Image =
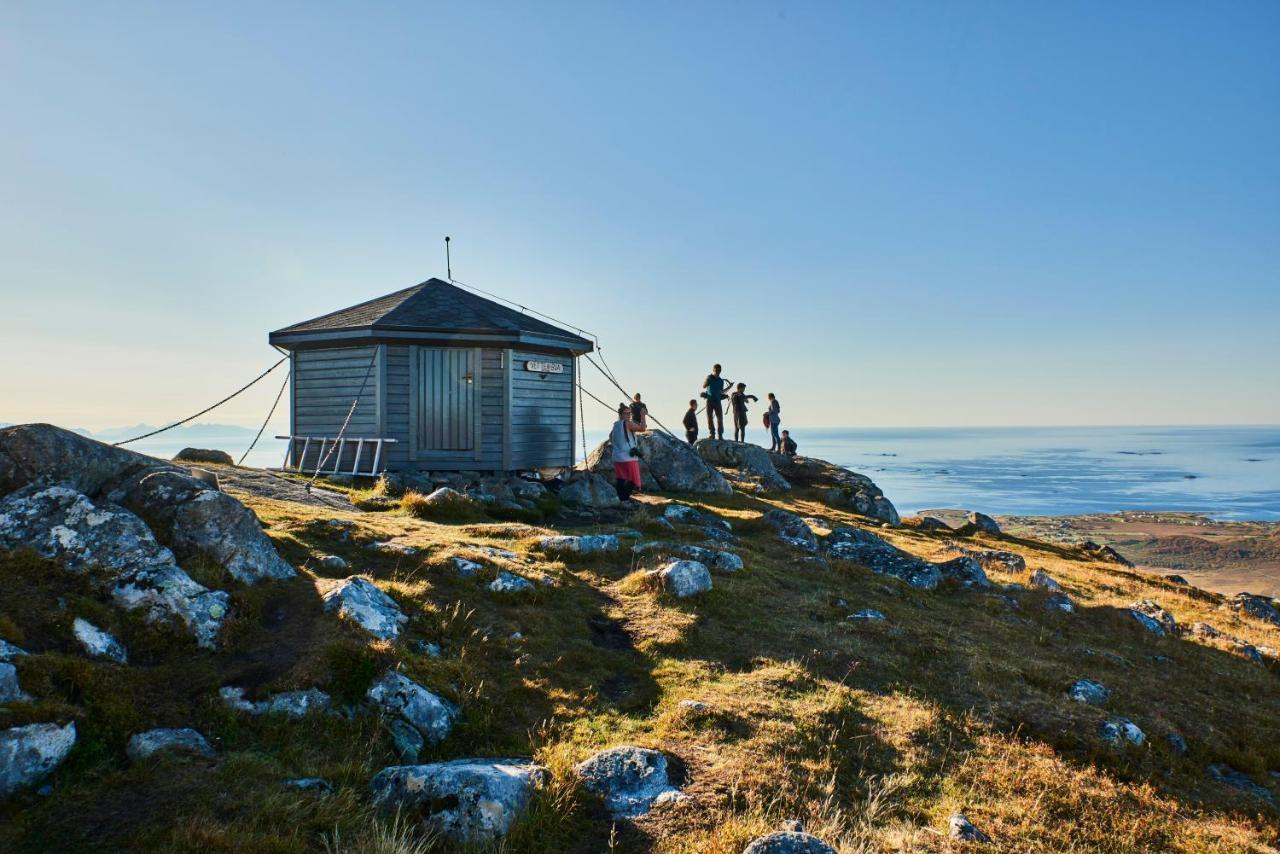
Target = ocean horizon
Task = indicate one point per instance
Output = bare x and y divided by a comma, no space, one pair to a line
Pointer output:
1225,472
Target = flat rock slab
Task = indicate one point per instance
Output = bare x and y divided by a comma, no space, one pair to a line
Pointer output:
29,753
468,801
264,484
629,779
293,704
583,545
715,559
185,740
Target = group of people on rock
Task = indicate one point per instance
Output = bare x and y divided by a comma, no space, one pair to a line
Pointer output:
633,418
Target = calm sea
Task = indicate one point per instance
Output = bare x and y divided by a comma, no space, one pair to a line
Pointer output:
1228,472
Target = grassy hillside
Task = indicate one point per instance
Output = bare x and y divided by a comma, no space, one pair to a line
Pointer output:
870,733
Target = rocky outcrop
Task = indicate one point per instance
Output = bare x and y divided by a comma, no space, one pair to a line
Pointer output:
29,753
61,524
1153,618
979,523
146,744
10,690
965,571
750,460
359,600
291,704
840,488
720,561
788,842
997,561
399,696
792,530
1258,607
590,490
98,643
683,578
629,779
203,455
666,464
467,801
879,556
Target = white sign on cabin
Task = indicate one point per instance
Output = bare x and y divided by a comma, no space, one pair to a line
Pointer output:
544,367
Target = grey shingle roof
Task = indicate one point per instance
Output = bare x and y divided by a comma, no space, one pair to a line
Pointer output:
433,306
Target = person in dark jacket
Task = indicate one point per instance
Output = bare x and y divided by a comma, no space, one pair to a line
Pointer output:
773,418
738,401
714,386
788,444
691,422
639,412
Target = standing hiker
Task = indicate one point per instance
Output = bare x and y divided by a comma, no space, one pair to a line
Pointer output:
772,419
714,385
691,422
639,412
626,457
738,402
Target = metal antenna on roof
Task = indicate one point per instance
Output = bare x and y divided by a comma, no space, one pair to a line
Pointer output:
448,263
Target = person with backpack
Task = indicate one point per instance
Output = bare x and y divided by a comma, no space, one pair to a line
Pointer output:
714,386
624,453
738,402
772,418
691,422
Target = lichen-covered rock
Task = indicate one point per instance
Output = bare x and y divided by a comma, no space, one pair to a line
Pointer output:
360,600
1119,731
629,779
185,740
792,530
839,486
10,690
715,559
29,753
509,582
292,704
684,578
203,455
959,827
665,464
46,455
1042,579
467,801
582,545
399,696
1089,692
63,525
880,556
752,460
590,490
200,522
998,561
966,571
98,643
1258,607
8,651
788,842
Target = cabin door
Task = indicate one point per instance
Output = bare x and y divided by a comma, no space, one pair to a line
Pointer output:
447,399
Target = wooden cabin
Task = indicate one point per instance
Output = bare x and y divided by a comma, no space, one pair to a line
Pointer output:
451,382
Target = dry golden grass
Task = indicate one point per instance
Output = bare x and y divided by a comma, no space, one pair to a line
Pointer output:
871,734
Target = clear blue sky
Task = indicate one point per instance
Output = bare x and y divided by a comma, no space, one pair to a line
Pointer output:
888,213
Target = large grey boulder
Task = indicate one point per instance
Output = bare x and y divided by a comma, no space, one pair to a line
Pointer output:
629,779
981,523
590,490
788,842
716,559
965,571
29,753
751,460
791,529
580,545
143,745
684,578
467,801
62,524
197,521
45,454
665,464
882,557
399,696
1153,618
98,643
359,600
10,690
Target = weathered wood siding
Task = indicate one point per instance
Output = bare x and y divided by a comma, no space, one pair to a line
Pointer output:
541,413
486,457
325,382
